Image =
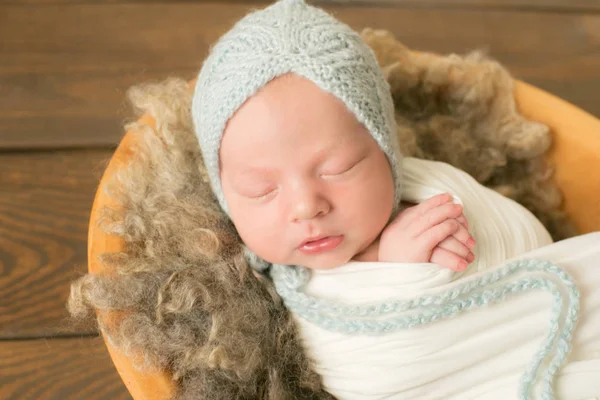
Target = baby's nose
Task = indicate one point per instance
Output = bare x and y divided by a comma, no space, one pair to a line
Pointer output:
309,205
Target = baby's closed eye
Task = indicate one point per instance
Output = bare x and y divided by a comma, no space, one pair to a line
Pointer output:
336,169
255,190
262,194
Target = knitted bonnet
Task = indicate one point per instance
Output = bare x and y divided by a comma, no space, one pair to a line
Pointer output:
291,36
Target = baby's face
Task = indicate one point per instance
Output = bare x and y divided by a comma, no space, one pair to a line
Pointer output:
304,181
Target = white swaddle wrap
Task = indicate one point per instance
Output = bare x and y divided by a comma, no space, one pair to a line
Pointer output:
480,353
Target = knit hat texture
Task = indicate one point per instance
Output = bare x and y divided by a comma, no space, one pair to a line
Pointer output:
291,36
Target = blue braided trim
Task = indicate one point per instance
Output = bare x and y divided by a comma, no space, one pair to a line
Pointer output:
354,320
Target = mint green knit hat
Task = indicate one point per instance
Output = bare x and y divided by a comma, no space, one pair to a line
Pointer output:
291,36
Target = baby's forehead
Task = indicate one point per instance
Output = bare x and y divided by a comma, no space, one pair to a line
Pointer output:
288,155
288,108
290,99
293,86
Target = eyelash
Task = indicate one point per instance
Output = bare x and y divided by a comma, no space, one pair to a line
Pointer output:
344,171
262,197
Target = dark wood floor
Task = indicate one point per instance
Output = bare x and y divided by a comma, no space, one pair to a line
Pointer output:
64,68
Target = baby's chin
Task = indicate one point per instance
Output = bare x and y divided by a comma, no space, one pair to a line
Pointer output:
320,262
324,261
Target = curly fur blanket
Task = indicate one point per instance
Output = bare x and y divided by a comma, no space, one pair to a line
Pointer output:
189,296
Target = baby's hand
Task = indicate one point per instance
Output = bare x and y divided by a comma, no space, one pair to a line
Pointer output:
433,231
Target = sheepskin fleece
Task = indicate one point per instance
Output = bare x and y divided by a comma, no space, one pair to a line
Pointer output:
190,304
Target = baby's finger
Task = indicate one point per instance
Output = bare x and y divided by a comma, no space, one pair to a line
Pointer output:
454,246
463,221
429,239
435,217
431,203
447,259
463,236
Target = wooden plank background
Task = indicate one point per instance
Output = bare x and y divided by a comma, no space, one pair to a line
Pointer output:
65,66
65,369
45,200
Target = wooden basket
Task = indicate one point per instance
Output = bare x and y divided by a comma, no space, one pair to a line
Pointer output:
575,153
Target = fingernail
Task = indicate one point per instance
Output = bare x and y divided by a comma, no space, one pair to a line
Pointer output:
471,243
470,257
462,265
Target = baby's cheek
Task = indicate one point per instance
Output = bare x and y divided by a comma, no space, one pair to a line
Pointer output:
264,236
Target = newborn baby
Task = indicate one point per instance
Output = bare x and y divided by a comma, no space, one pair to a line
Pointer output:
297,130
308,167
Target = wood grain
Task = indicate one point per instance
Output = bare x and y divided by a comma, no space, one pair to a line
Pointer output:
62,110
64,68
506,4
45,202
533,5
58,369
